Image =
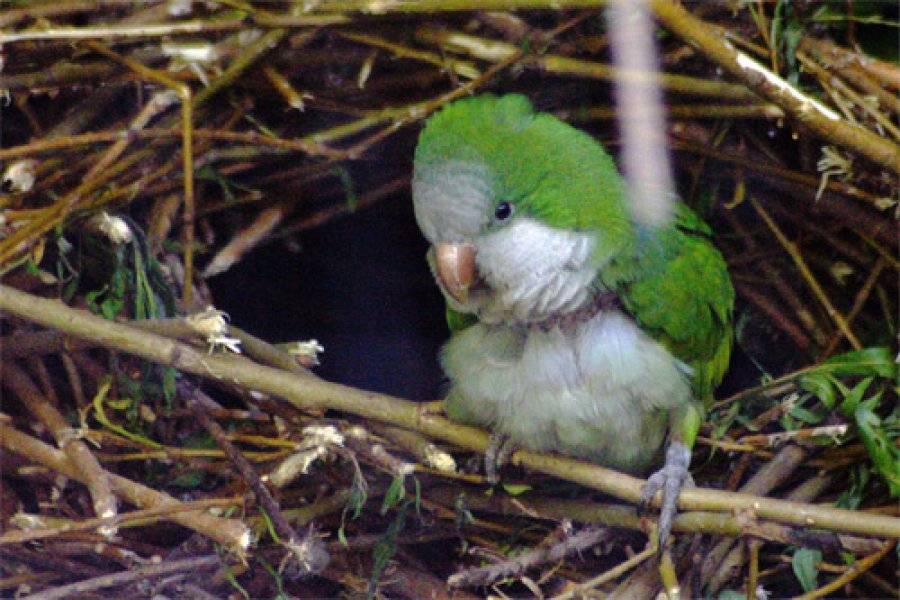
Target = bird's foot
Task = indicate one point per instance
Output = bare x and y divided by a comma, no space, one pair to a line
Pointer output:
499,449
670,479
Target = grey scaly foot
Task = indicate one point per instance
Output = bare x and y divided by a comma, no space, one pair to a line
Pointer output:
670,479
499,449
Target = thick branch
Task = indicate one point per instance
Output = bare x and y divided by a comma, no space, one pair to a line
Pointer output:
820,119
309,392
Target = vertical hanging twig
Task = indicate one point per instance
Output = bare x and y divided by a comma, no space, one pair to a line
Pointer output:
642,126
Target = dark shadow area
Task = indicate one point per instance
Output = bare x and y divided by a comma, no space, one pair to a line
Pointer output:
359,285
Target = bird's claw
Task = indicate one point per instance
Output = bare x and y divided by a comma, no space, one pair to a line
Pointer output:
499,449
673,476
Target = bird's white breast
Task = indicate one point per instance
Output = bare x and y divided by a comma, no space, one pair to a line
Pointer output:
530,272
598,390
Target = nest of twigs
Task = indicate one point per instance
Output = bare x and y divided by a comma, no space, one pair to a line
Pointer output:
147,147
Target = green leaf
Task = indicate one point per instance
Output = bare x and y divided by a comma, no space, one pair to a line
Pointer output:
820,385
270,526
31,268
110,308
806,567
91,299
884,454
878,361
69,291
384,550
189,480
170,380
395,494
787,422
516,489
852,496
731,595
232,579
806,415
346,180
418,496
853,397
723,423
826,15
355,503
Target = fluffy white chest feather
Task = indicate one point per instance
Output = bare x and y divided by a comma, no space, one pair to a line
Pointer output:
599,390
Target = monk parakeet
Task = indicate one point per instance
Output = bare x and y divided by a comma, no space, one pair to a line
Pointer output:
575,329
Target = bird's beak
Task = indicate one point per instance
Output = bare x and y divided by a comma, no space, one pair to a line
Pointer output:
456,268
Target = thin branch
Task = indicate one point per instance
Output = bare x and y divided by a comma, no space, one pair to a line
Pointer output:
496,50
74,590
90,471
808,277
136,516
516,566
855,570
228,532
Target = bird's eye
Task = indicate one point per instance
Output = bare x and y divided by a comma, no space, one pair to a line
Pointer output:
503,211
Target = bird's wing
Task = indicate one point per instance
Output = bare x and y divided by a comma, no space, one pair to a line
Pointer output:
684,298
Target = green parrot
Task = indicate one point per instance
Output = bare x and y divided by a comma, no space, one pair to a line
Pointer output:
575,329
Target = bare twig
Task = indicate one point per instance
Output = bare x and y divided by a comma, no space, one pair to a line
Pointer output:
202,563
515,567
231,533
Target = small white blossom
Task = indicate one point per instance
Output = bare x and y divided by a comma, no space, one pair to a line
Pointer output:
212,324
832,164
20,175
309,350
114,228
179,8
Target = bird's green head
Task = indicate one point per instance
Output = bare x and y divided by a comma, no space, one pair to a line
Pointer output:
515,192
489,153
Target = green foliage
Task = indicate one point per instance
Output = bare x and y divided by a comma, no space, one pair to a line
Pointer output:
350,196
359,493
865,12
876,31
128,275
805,563
862,403
386,548
226,185
852,496
279,580
464,516
109,300
786,32
396,492
232,579
270,526
189,480
101,402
